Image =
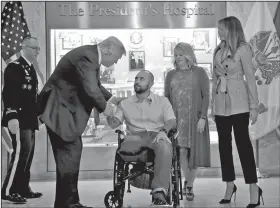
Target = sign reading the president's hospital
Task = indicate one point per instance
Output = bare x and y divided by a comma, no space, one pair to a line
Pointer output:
134,14
95,9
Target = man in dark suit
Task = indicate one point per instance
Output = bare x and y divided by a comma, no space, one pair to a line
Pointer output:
65,104
20,116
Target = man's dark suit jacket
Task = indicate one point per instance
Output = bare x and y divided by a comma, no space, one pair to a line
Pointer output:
68,97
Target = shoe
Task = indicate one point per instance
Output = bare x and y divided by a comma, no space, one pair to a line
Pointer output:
14,197
79,205
255,205
31,195
159,198
189,195
226,201
184,191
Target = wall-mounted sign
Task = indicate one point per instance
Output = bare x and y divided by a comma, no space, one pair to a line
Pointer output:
134,15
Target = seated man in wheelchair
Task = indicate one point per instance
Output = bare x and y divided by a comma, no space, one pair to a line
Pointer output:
148,118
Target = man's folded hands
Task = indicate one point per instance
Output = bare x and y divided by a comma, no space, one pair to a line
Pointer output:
161,136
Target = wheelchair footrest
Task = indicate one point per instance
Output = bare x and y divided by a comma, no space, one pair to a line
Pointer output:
166,205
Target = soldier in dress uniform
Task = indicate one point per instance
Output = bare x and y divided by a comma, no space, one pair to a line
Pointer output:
20,115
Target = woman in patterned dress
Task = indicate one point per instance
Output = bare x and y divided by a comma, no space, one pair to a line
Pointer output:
187,88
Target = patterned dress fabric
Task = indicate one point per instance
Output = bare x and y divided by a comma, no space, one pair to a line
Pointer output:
181,96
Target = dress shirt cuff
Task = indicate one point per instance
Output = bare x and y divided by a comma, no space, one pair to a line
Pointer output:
109,110
11,114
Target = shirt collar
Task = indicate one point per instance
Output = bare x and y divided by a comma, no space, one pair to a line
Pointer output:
99,55
149,98
26,60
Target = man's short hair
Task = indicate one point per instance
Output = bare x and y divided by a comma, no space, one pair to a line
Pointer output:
151,75
112,40
26,40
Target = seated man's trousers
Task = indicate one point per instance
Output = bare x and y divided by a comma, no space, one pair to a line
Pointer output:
163,156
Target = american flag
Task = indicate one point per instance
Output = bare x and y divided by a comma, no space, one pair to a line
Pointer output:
13,28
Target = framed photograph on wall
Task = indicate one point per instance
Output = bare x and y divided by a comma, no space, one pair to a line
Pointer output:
169,45
200,40
136,60
207,67
71,41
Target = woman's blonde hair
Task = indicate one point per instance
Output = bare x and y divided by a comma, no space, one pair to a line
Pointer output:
235,36
187,51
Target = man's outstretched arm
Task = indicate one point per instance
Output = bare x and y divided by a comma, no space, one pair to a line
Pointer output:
117,118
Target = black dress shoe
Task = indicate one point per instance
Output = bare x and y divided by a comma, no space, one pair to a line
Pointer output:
227,201
255,205
15,197
79,205
31,195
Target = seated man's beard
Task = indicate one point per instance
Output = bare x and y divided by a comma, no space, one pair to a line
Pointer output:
139,90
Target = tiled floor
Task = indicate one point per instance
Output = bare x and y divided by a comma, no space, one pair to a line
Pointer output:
208,191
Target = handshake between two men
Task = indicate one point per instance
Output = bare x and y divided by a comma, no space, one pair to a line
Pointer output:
111,103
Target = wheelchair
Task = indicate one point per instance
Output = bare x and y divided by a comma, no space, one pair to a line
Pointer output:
124,170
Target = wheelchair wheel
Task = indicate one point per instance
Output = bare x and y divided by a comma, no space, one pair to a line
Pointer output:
111,201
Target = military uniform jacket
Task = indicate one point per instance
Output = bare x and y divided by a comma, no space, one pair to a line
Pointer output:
20,94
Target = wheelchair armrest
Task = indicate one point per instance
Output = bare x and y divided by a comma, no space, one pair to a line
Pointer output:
120,134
